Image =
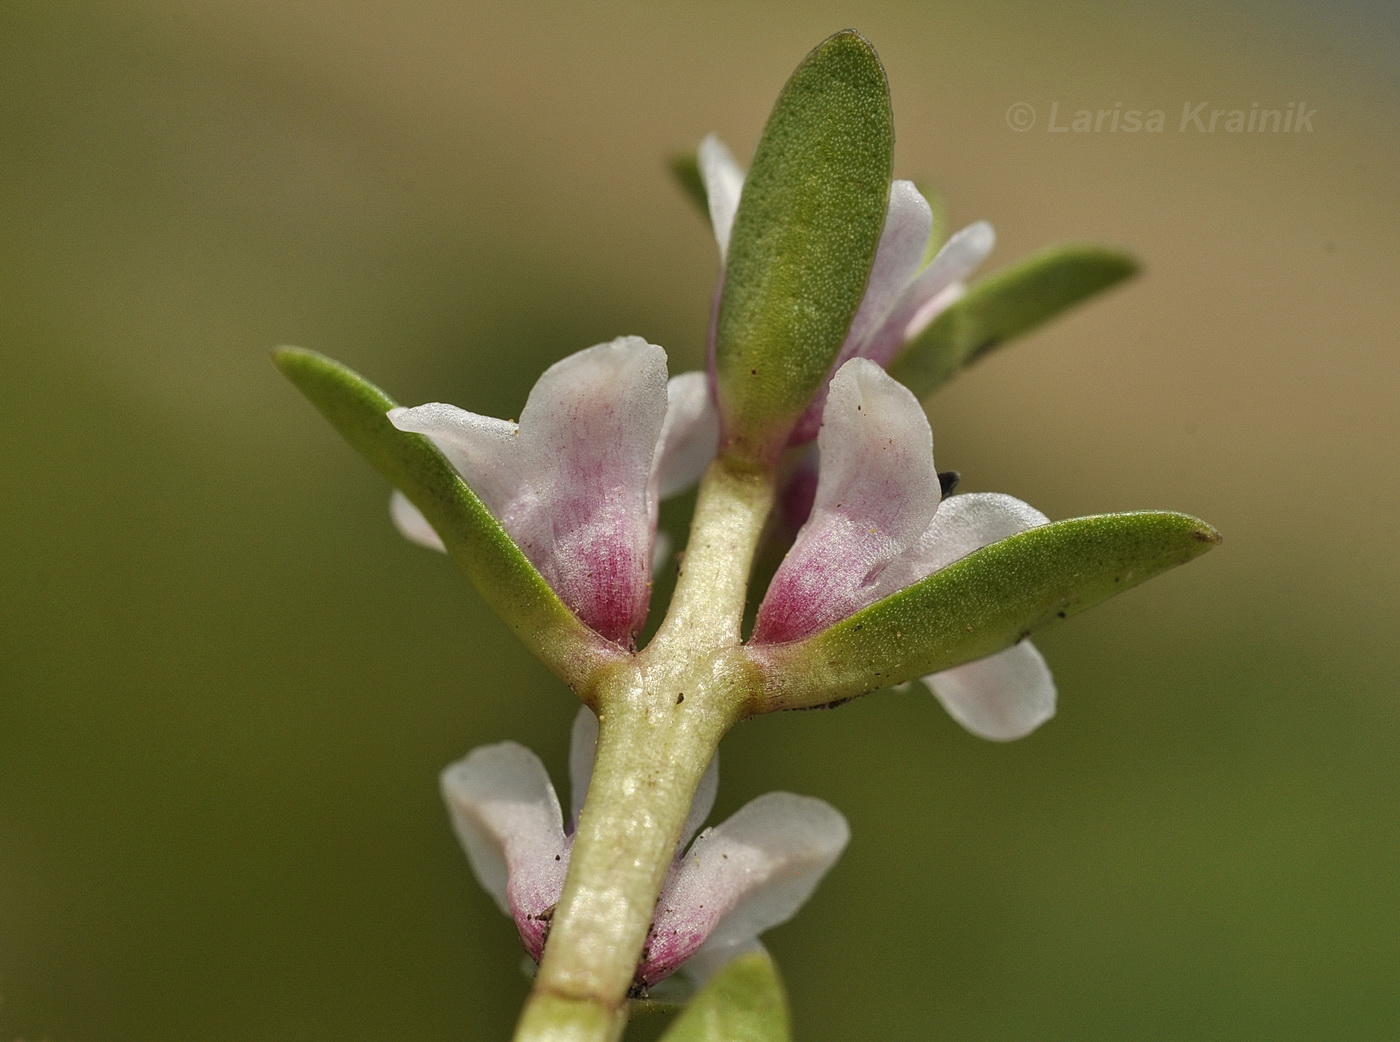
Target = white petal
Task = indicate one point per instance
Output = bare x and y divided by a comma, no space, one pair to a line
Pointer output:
749,874
930,290
588,434
932,308
877,491
689,434
507,816
961,525
785,844
724,181
572,484
483,449
908,224
411,523
1001,697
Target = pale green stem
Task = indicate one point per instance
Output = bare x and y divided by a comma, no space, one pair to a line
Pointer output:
661,717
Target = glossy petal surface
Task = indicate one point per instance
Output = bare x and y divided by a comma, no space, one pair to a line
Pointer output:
877,490
743,877
908,221
689,434
934,289
724,182
572,482
1001,697
736,880
507,816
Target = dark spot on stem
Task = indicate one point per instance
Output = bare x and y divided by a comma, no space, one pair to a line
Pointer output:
825,705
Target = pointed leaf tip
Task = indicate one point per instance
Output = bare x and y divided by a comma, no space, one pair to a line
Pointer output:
981,604
1006,304
803,242
744,1002
497,567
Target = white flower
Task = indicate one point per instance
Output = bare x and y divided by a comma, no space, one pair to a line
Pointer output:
602,438
735,881
878,524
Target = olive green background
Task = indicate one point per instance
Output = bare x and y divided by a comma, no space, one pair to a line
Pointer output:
229,685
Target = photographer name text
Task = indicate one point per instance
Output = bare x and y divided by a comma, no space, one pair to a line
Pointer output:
1196,117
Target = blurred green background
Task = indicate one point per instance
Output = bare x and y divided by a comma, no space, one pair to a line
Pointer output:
229,685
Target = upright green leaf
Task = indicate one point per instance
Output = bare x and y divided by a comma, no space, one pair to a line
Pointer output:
1004,305
980,604
804,239
743,1003
496,566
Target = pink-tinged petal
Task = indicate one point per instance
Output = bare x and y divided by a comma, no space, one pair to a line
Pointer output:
689,435
1001,697
932,290
724,182
572,483
411,523
506,814
908,223
588,434
582,745
749,874
877,491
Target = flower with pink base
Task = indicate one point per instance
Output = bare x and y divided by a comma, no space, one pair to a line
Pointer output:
576,483
879,523
736,880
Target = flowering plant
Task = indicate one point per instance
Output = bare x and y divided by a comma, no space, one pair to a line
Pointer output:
838,307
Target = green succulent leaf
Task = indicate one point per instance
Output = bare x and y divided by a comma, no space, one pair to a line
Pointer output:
475,539
1004,305
804,239
744,1002
979,605
685,168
